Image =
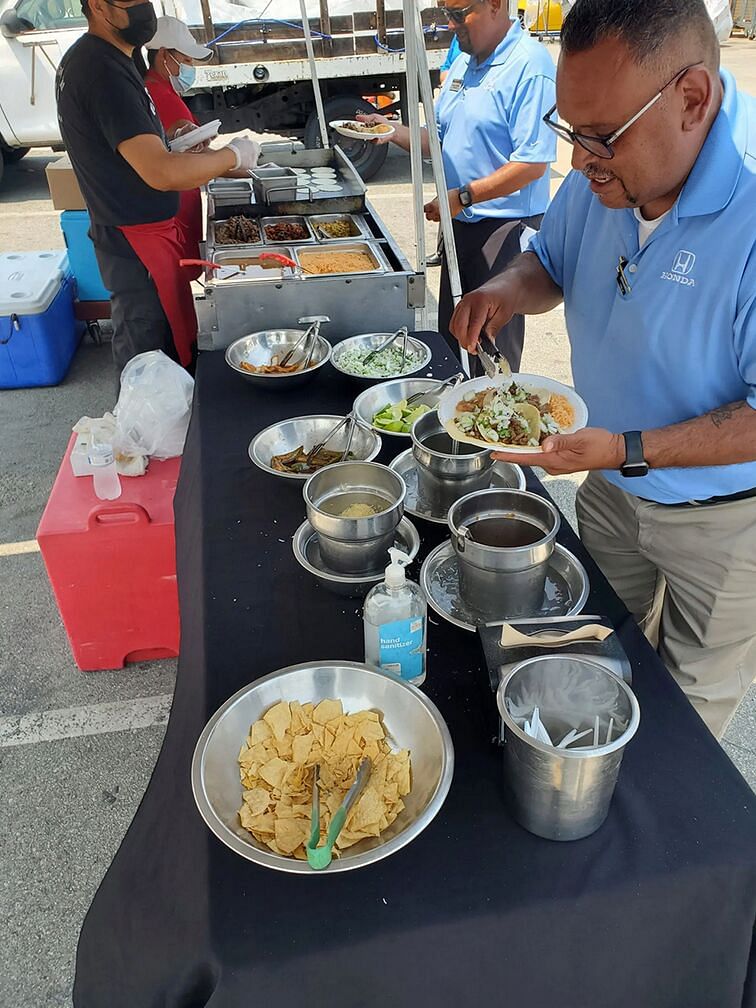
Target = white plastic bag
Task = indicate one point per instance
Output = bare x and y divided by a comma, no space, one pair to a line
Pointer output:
153,409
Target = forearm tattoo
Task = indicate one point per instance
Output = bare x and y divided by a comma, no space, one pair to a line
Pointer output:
723,414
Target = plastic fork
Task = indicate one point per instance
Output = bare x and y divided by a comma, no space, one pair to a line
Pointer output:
320,857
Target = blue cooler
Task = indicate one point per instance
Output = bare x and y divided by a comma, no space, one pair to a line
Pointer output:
81,256
38,332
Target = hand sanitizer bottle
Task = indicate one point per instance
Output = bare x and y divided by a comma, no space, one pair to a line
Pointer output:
395,618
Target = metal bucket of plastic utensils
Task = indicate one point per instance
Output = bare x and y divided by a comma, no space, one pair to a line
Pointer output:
564,793
350,544
503,540
443,473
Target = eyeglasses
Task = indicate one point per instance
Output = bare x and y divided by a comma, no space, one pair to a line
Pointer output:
603,146
458,15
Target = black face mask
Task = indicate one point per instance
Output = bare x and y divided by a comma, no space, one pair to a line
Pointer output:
142,23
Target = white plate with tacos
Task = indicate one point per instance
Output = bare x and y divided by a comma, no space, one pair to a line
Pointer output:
513,413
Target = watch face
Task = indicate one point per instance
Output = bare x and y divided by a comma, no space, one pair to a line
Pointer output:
465,198
634,469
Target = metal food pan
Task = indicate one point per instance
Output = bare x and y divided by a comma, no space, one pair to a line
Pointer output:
380,265
272,185
357,225
255,272
213,242
288,219
226,187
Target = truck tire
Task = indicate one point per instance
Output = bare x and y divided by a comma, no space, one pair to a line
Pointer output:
14,154
367,157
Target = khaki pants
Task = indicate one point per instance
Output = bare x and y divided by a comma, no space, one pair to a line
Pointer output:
691,571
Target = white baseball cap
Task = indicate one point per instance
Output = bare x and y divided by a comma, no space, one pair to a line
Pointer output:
173,34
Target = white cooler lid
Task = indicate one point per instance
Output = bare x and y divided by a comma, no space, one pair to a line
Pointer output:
30,280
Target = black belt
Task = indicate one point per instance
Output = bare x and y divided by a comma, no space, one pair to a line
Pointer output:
740,495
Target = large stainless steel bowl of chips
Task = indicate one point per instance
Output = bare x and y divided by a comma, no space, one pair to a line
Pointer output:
410,720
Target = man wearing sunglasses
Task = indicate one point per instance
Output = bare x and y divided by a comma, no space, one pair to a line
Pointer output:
651,244
496,149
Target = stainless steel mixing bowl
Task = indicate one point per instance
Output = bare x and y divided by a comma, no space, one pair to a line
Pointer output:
371,341
377,397
285,436
411,720
257,348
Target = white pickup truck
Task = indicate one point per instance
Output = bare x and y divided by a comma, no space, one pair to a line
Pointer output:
259,78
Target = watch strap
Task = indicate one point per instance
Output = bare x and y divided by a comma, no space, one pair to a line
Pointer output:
635,463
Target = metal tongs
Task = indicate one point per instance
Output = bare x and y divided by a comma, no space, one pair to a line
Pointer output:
320,857
313,323
436,389
493,361
404,333
316,449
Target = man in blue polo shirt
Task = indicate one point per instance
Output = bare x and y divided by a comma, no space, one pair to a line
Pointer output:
651,243
496,149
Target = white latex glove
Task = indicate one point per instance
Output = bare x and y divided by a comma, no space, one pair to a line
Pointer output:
188,127
247,152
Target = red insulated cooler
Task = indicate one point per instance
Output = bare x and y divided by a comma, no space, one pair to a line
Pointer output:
112,565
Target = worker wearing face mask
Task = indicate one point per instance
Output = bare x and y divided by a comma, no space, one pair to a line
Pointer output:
171,53
130,180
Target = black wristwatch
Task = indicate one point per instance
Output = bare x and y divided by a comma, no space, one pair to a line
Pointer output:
465,196
634,464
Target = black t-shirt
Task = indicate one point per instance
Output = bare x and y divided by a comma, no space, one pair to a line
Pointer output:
102,101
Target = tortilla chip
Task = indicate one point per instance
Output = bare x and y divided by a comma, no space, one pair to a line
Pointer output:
257,800
273,772
326,711
275,769
278,718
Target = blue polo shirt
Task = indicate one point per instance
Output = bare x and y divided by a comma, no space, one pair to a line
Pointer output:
683,341
490,113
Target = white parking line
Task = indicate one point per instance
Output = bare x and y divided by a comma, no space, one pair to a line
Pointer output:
73,722
16,548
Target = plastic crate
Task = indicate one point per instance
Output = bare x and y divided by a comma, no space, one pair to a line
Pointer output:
81,256
112,565
38,331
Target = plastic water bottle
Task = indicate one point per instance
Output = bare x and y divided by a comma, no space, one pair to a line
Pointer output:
395,619
107,485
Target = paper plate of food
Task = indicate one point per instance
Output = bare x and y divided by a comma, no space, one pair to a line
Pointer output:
361,131
513,413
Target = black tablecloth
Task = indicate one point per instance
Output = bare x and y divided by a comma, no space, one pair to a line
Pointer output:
655,910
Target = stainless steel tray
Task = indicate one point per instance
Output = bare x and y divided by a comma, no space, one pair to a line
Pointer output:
350,200
287,219
357,225
432,507
565,594
213,222
251,274
380,262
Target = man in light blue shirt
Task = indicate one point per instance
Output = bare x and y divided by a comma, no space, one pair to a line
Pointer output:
651,243
496,148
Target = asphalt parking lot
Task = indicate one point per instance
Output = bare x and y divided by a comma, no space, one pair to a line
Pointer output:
77,749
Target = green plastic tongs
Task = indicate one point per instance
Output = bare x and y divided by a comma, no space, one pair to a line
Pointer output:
320,857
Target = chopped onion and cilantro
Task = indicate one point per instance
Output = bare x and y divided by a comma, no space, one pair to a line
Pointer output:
508,416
